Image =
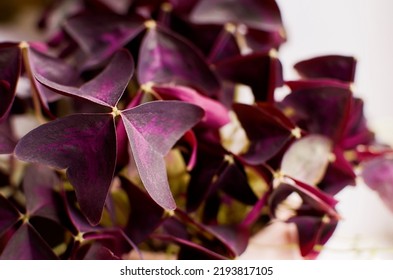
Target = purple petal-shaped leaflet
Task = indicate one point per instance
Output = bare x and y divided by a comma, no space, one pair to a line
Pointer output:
85,144
106,88
10,67
153,128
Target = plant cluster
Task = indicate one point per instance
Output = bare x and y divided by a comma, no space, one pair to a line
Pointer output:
159,131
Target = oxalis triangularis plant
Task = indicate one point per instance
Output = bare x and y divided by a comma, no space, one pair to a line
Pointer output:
148,140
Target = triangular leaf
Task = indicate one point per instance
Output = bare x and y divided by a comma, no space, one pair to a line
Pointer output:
153,128
104,89
85,144
9,215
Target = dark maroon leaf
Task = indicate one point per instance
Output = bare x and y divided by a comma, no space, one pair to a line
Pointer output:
378,175
99,41
216,115
54,70
7,141
225,46
39,185
10,67
264,15
166,58
9,215
84,144
261,71
27,244
235,237
267,134
193,250
98,252
329,66
139,227
320,110
312,231
153,128
106,88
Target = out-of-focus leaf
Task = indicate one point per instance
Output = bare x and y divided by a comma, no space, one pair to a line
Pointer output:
96,251
312,231
235,237
7,141
166,58
139,227
9,215
27,244
261,71
216,115
320,109
378,175
267,134
106,88
153,128
10,67
99,41
225,47
39,185
307,159
263,15
329,66
84,144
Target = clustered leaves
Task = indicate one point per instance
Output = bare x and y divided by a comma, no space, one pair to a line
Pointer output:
148,140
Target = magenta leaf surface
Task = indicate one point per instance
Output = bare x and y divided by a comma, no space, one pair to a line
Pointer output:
7,141
10,67
104,89
164,58
378,175
330,66
84,144
27,244
153,128
216,115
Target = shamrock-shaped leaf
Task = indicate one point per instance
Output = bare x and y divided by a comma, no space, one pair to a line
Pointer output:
10,67
9,215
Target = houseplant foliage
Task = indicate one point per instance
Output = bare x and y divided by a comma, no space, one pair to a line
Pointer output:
145,142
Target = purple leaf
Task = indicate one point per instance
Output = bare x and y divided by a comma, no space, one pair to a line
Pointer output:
106,88
312,231
52,69
235,237
153,128
99,41
9,215
268,135
261,71
224,47
27,244
138,227
264,15
330,66
10,67
378,175
39,185
84,144
7,141
191,250
216,115
166,58
320,109
98,252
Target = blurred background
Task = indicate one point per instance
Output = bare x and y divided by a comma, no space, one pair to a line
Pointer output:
360,28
